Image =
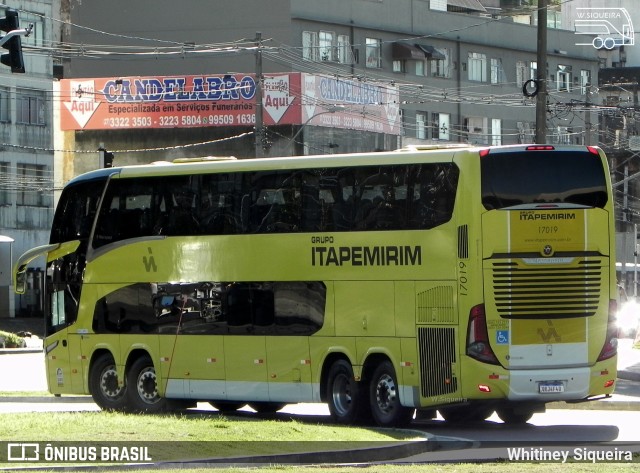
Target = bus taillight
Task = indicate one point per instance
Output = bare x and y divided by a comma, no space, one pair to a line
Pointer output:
478,337
540,148
593,150
610,348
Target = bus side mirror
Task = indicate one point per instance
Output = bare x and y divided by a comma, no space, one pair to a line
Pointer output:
20,283
20,268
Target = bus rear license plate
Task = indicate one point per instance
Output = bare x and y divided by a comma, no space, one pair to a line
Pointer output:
547,388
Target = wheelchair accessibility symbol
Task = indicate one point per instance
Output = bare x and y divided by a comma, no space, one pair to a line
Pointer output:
502,337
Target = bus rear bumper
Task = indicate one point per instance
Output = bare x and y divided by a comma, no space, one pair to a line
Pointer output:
568,384
549,385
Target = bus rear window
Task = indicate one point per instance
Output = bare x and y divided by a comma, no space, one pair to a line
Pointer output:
542,177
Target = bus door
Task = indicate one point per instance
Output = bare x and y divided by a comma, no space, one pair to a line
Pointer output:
299,309
65,264
63,342
194,345
249,310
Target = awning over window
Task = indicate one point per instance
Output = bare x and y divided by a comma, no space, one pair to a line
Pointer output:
431,52
473,5
406,51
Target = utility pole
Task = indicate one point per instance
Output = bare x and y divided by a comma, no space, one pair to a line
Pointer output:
541,75
259,129
587,114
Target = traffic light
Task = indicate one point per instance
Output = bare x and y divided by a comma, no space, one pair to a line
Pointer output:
105,159
13,58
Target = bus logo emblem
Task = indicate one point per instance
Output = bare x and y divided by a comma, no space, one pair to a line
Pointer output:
551,335
150,262
547,250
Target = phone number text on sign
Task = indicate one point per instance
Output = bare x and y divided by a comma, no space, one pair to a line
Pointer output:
179,120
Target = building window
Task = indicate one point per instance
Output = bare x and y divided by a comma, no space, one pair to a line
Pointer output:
30,109
325,44
374,53
496,131
5,116
421,125
585,81
310,45
440,126
477,67
399,65
521,72
440,67
526,132
419,68
34,185
344,49
533,70
497,71
563,78
5,182
37,33
561,135
476,127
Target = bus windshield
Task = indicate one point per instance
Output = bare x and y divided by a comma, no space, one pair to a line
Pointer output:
542,177
75,211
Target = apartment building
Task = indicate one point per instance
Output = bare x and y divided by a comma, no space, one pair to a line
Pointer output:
458,68
26,154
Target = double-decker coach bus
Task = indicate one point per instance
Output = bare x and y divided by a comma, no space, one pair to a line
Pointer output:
467,280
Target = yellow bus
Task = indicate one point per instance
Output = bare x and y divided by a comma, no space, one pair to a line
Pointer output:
464,280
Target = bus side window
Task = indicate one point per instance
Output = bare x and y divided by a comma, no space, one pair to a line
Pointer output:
344,205
182,217
248,305
311,214
434,196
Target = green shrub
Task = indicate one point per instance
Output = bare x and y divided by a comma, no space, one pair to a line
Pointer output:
11,340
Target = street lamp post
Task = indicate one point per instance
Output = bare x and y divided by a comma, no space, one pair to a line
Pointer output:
330,109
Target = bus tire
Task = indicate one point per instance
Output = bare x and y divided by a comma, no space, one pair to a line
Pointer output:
343,393
384,398
227,406
509,415
143,387
266,407
104,386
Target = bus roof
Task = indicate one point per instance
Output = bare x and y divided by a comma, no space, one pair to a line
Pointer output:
211,164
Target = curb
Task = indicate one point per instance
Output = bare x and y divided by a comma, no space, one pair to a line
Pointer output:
629,375
337,457
20,351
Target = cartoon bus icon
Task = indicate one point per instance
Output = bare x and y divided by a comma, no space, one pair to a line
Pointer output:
611,26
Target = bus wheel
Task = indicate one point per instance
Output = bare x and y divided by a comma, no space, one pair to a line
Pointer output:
227,406
143,387
384,398
343,393
266,407
103,384
465,414
509,415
